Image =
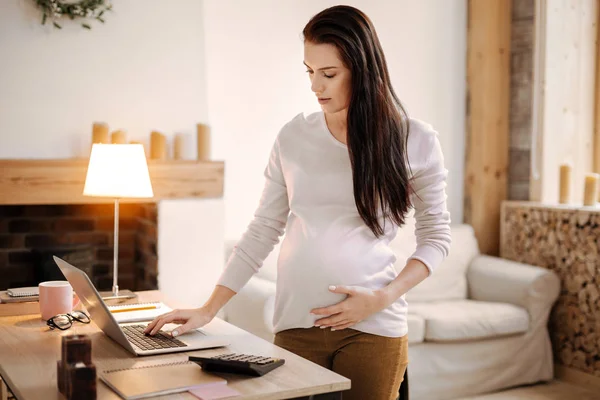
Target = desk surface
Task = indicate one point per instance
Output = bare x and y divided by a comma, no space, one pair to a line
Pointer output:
29,351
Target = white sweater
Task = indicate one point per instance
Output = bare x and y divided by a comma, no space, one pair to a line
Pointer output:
309,194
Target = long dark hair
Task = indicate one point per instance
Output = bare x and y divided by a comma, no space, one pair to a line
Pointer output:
377,123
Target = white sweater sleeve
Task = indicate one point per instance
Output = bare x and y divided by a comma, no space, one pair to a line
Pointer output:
264,230
432,228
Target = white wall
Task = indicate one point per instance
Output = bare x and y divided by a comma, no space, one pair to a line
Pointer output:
142,70
190,247
256,82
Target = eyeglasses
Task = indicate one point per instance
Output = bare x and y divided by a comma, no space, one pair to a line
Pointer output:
65,321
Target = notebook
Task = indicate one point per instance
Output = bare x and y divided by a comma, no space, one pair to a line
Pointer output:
7,298
24,292
135,312
158,379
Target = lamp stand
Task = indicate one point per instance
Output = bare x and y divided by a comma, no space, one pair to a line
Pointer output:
116,294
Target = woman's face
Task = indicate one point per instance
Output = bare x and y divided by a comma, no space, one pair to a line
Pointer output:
329,78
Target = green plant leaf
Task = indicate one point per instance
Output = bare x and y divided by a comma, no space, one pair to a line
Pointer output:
91,9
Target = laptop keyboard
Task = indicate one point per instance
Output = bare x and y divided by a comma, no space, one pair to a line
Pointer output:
135,334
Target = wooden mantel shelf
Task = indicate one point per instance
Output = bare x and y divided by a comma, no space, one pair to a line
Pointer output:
61,181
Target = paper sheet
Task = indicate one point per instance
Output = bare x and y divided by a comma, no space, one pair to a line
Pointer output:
214,392
138,315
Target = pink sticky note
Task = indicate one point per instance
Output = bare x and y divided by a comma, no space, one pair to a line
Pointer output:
214,391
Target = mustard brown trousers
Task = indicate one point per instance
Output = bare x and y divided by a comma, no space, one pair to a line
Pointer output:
374,364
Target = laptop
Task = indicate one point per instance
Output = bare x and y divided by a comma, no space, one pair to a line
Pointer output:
131,335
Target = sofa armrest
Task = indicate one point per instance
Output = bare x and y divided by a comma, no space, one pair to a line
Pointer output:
251,309
500,280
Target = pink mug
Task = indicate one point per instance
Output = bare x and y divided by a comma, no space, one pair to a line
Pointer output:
56,297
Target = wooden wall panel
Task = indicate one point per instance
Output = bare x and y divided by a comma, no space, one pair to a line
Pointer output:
62,181
596,161
567,109
488,82
521,98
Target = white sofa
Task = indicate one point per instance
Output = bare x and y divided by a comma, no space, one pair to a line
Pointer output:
478,324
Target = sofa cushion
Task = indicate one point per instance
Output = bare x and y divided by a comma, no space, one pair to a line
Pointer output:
469,319
449,280
416,328
248,308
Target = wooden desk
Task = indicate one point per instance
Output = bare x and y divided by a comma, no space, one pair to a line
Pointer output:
29,351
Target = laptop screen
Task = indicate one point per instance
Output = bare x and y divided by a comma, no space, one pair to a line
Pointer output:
92,301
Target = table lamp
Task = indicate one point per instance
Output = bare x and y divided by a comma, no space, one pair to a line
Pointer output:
118,171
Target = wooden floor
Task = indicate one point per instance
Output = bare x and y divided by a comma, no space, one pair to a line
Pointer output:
555,390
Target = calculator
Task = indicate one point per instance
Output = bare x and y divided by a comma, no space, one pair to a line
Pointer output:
233,363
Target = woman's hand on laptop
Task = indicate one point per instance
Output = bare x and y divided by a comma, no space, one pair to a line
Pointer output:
188,318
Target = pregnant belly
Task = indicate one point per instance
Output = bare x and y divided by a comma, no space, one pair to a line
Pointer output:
306,271
314,265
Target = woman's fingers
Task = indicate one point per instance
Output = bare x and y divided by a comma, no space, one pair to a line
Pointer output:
342,326
330,321
161,320
159,324
150,325
188,319
153,323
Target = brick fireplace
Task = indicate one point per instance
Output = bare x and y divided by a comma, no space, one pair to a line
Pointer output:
173,242
30,234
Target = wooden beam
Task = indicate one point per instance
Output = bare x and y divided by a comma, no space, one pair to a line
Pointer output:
537,120
488,113
596,160
62,181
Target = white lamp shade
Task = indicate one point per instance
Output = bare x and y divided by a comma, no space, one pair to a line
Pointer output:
118,171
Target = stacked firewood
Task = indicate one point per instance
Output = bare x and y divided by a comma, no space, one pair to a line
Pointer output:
567,241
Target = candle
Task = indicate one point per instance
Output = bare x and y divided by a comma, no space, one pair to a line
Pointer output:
118,137
203,135
565,184
158,146
178,146
100,133
590,195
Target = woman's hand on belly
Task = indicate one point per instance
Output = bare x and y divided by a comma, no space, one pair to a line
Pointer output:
360,303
